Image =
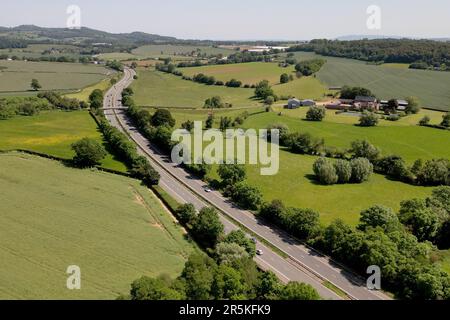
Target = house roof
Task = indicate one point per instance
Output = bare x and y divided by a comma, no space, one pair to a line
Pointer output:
365,99
293,100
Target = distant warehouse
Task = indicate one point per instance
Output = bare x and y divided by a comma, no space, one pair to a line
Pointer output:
296,103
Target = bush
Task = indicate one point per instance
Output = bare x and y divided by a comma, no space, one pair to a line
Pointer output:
186,213
343,170
304,143
368,119
394,167
434,173
315,113
88,153
162,117
143,170
233,83
325,172
263,90
207,228
362,169
446,120
424,121
364,149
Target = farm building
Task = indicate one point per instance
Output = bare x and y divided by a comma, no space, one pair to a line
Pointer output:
296,103
307,103
293,103
363,102
402,104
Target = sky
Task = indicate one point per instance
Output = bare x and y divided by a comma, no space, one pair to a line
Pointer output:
241,19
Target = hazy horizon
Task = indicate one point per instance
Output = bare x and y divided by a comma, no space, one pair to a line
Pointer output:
240,20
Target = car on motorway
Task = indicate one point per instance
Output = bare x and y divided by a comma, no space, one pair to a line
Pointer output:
208,190
259,252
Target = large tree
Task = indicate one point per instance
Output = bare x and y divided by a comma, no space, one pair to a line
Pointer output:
88,152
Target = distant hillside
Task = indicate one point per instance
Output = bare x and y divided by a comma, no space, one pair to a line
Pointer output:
33,34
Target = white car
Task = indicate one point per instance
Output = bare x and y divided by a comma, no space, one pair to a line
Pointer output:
208,190
259,252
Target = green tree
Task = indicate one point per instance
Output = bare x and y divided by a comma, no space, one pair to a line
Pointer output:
421,220
88,152
147,288
315,113
284,78
304,143
325,171
362,169
143,170
379,216
413,105
231,174
270,100
239,237
303,223
207,228
186,213
263,90
364,149
225,123
268,287
188,125
198,274
228,284
162,117
35,85
209,121
343,170
230,253
424,121
273,211
246,196
298,291
446,120
368,119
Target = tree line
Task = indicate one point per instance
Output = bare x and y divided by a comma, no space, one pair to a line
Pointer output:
422,54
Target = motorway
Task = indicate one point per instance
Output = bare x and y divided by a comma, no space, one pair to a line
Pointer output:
303,263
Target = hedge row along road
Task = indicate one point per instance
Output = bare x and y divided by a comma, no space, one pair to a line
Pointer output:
303,264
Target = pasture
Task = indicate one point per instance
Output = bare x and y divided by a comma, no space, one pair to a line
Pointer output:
52,132
386,81
53,217
409,141
15,76
249,73
160,89
43,50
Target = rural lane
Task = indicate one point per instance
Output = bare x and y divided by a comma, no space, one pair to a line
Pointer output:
303,263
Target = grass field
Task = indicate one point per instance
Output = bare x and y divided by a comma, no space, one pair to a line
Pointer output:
159,89
409,141
163,51
388,80
52,132
52,217
37,51
249,73
16,78
293,184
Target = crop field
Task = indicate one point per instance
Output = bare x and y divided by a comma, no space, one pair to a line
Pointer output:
43,50
52,217
173,50
249,73
15,76
164,51
159,89
52,132
387,81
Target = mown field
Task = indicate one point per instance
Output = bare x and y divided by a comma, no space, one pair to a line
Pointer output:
52,217
387,81
249,73
15,76
409,141
159,89
52,132
177,52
